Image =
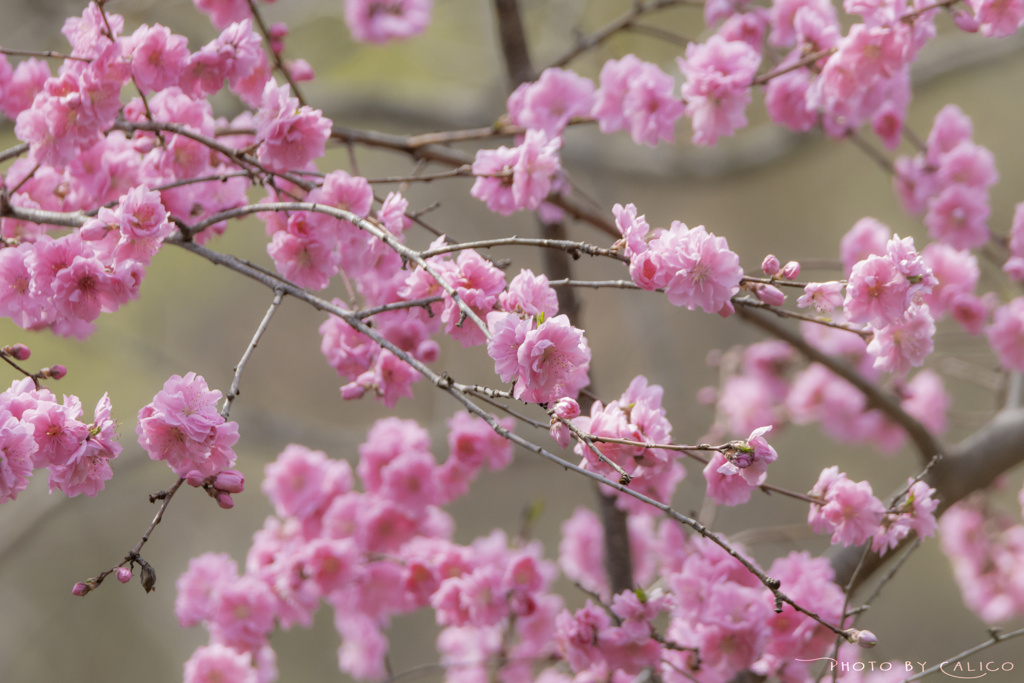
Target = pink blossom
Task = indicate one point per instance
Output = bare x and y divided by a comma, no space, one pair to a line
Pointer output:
85,470
581,551
968,164
529,295
378,21
786,100
291,136
219,664
970,311
695,267
1006,334
723,488
615,84
196,586
717,89
472,442
648,107
158,57
24,84
554,99
849,509
242,612
998,19
390,378
956,273
392,213
876,292
495,191
16,450
824,296
553,360
904,343
926,399
537,163
223,12
633,229
750,459
950,127
865,238
959,217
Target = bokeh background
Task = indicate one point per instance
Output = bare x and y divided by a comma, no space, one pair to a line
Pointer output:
765,190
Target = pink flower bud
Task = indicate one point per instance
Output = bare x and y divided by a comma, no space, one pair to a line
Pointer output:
278,30
300,70
791,270
965,21
770,265
561,434
57,371
225,500
124,575
194,478
567,408
230,481
866,639
771,295
80,589
18,351
352,390
428,351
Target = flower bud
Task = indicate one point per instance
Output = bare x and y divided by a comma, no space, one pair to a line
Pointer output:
124,575
80,589
866,639
965,21
194,478
561,434
300,70
791,270
771,295
224,500
278,30
55,372
567,408
770,265
352,390
230,481
18,351
428,351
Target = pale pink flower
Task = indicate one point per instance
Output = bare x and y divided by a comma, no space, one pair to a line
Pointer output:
224,12
554,99
959,217
950,127
581,551
750,459
378,21
24,84
615,83
649,109
956,273
219,664
785,99
554,359
291,136
536,164
867,237
632,227
926,399
495,191
824,296
242,612
998,19
904,343
723,488
849,510
696,267
16,450
529,295
197,584
876,292
158,57
1006,334
717,89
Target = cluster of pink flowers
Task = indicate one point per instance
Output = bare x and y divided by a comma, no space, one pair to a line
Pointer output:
637,415
379,21
541,352
986,549
721,619
37,431
518,178
950,180
693,266
290,136
914,512
372,555
183,428
848,510
637,96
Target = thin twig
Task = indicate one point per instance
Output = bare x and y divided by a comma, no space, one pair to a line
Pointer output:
995,639
47,54
234,391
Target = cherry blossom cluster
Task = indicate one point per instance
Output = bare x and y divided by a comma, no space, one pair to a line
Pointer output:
183,428
373,555
37,431
721,619
693,266
541,352
986,549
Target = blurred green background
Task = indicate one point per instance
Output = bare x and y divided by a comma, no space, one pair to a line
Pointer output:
765,190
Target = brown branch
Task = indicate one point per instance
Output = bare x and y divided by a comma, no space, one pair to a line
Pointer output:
513,42
15,151
806,61
625,21
48,54
234,390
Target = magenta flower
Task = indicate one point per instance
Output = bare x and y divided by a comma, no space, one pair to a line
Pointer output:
527,294
697,267
553,362
291,136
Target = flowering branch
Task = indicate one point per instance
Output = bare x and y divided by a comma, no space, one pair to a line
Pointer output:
47,54
278,63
